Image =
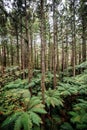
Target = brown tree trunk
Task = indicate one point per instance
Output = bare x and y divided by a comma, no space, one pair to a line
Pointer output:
17,46
67,55
28,46
3,58
83,39
58,64
49,52
73,38
22,57
62,40
12,55
42,52
54,43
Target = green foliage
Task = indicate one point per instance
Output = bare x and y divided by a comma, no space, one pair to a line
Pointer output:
73,85
66,89
83,65
79,114
35,105
16,102
52,98
82,78
11,74
23,122
27,115
35,118
14,99
36,81
11,119
66,126
20,120
16,84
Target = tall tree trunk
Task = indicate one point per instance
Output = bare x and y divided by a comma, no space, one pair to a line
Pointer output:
58,65
66,37
3,58
80,54
8,55
73,38
28,46
54,43
63,54
49,52
34,55
22,51
67,55
42,51
12,55
83,39
17,44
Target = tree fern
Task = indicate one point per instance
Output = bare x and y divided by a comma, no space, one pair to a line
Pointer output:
18,124
11,119
36,106
16,84
79,114
35,118
52,98
82,65
26,121
28,124
34,101
39,109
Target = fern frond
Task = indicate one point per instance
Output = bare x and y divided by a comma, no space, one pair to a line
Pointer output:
11,119
38,110
35,118
66,126
26,121
52,98
34,101
23,122
18,124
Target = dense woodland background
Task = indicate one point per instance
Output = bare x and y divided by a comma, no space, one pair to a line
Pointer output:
43,64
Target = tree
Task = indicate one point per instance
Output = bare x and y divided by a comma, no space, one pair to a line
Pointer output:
73,35
83,15
54,42
42,51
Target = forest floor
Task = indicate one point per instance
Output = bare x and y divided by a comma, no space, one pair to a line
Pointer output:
65,107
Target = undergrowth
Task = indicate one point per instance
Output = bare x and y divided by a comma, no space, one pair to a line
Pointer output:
65,107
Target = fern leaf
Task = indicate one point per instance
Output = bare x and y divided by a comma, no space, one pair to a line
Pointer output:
34,101
38,110
26,121
35,118
18,124
11,119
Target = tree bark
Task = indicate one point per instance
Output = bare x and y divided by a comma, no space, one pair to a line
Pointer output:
42,52
54,43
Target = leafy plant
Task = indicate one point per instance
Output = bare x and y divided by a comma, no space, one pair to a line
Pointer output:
66,126
79,114
16,84
20,120
14,99
27,116
52,98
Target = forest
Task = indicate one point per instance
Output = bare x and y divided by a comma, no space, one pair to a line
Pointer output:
43,64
